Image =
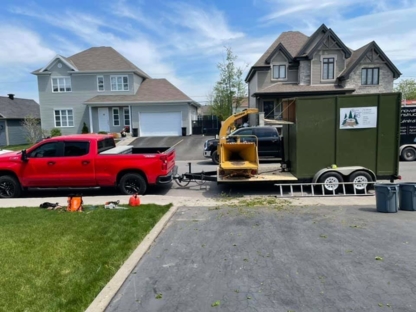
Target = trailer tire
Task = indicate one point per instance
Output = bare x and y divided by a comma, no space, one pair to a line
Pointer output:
361,178
215,157
9,187
408,154
132,183
331,182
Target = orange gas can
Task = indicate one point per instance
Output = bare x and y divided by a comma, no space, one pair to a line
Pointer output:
134,200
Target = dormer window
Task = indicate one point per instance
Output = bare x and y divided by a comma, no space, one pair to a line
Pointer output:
328,68
279,71
120,83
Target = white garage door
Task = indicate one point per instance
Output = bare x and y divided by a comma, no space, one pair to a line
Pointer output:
160,124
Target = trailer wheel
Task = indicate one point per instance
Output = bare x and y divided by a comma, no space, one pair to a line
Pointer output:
361,180
331,182
409,154
9,187
132,183
215,157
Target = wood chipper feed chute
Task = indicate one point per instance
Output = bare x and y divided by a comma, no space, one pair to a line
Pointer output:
241,155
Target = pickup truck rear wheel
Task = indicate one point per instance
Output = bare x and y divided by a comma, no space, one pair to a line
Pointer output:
132,183
9,187
215,157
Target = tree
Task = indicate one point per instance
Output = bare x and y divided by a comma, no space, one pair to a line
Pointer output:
84,128
230,90
33,129
408,89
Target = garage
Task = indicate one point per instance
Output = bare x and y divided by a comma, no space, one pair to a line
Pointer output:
160,124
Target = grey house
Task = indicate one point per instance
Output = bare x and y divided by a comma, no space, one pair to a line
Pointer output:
12,114
297,65
102,88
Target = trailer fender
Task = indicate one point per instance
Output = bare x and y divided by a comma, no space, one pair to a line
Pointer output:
402,147
345,171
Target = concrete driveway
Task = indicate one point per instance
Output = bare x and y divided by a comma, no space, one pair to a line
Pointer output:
277,259
187,147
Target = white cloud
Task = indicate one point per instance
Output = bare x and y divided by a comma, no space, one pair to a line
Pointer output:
22,46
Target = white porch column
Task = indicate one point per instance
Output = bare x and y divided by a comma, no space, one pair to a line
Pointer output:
90,114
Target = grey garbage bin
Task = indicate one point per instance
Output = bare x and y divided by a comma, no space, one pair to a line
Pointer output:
408,196
135,132
387,197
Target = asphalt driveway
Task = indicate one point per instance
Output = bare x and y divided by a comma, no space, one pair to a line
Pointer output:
277,259
187,147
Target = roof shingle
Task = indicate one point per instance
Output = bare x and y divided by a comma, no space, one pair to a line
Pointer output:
151,90
18,108
293,41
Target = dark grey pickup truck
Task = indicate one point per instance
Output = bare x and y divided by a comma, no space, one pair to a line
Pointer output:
268,142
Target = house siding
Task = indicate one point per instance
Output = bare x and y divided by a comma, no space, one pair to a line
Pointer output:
292,75
253,87
137,82
16,132
278,58
84,87
3,138
317,68
385,79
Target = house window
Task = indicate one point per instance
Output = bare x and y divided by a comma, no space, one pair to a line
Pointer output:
100,83
126,117
369,76
116,117
279,71
119,83
64,118
61,84
328,68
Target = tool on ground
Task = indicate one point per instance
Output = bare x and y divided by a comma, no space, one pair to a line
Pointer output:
75,203
134,200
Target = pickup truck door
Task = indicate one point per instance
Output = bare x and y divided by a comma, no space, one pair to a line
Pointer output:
77,166
268,141
40,168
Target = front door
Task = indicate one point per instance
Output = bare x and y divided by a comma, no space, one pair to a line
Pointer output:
268,108
103,119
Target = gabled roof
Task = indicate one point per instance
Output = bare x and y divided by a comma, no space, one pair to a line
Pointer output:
150,90
18,108
293,41
329,34
359,54
63,60
307,46
98,59
280,47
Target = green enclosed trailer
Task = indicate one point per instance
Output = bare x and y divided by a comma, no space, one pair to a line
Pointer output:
342,134
330,140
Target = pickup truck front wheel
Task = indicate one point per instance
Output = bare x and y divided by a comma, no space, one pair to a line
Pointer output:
132,183
9,187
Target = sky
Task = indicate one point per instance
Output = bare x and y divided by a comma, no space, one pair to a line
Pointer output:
183,41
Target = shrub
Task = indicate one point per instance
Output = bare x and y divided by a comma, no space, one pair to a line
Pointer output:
55,132
102,132
85,128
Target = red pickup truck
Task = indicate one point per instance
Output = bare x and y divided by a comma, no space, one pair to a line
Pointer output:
85,161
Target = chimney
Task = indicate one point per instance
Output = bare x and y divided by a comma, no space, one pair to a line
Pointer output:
11,96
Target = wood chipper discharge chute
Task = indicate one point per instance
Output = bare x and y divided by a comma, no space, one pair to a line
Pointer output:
238,154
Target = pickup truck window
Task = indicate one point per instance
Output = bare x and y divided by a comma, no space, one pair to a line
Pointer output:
76,148
105,144
244,132
266,133
47,150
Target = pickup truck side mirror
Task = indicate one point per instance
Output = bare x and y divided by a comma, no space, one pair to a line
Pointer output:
24,155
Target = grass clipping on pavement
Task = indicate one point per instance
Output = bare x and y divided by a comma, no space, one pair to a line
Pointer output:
60,261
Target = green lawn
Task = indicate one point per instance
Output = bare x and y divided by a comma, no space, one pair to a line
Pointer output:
60,261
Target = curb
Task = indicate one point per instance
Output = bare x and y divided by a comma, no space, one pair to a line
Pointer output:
105,296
